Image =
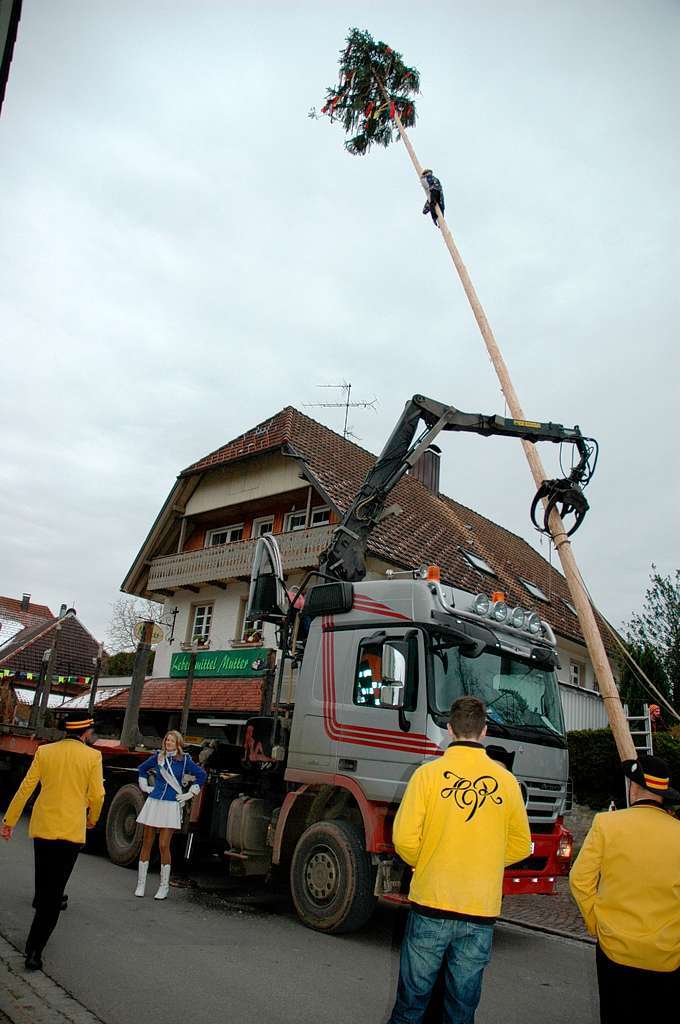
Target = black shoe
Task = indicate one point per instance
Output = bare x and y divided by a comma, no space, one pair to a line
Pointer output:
33,962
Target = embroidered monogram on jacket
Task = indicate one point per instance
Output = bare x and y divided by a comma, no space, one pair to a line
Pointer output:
470,795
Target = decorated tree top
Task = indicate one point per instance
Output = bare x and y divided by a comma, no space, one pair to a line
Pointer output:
374,85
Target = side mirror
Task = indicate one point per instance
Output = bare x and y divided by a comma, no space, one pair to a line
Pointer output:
393,664
392,696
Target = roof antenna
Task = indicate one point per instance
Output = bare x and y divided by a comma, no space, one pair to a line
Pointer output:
346,404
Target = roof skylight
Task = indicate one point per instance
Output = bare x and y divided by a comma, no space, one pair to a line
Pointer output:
570,606
477,562
534,590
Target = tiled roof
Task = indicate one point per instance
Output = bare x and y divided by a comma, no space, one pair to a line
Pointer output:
244,695
75,652
430,529
34,614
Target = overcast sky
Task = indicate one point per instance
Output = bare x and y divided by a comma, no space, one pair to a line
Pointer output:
184,252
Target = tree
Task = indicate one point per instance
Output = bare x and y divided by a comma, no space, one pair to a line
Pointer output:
634,691
657,629
126,613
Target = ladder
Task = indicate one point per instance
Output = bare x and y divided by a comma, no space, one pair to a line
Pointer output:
640,730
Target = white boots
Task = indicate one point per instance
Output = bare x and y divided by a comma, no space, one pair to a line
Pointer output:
164,887
141,877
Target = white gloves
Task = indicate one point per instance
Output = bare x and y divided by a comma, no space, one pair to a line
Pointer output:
192,792
144,784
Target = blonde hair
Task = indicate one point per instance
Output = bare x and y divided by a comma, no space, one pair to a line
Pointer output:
179,740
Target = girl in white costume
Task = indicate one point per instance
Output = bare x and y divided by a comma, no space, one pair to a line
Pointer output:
162,810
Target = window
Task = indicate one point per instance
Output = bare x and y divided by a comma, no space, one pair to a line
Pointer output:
202,621
368,676
262,526
225,535
534,590
295,521
569,605
477,562
241,619
320,516
577,674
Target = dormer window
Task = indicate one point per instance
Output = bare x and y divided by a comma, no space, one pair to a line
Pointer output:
477,562
224,535
534,590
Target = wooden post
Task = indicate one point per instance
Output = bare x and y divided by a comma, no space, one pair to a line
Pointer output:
129,735
184,721
95,680
591,634
47,682
37,696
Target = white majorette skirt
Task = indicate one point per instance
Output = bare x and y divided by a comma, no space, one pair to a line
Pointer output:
160,813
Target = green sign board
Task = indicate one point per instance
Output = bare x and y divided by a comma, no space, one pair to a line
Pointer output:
247,662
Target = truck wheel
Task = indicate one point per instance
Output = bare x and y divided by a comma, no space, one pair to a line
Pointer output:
331,878
123,834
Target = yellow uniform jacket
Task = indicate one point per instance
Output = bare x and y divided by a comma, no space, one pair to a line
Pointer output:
626,881
462,820
71,787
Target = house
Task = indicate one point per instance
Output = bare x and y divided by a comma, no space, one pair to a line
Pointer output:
24,655
294,477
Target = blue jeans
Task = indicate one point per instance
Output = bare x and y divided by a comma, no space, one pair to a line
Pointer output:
463,946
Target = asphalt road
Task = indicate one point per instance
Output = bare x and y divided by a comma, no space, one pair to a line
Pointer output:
210,957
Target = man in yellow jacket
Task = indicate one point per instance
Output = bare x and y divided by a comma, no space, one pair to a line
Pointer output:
461,822
71,798
626,881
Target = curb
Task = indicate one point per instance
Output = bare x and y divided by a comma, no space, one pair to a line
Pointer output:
518,923
31,997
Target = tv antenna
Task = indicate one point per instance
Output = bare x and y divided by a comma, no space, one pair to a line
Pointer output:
345,404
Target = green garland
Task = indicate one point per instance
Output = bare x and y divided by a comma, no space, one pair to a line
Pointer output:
359,103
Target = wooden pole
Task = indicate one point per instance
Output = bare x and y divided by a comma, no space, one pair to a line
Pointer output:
586,616
95,680
129,736
47,682
187,693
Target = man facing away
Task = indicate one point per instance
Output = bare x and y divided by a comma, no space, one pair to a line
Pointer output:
626,881
461,822
71,799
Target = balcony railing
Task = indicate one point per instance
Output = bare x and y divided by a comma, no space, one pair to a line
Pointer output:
299,550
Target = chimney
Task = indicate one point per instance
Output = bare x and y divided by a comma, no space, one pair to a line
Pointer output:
25,601
426,469
62,611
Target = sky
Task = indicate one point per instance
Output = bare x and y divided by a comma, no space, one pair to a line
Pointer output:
184,252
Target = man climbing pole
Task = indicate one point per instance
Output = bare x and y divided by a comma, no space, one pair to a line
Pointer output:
435,194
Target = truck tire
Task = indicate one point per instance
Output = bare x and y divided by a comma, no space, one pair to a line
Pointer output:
332,879
123,834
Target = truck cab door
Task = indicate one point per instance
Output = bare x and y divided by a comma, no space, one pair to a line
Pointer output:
381,746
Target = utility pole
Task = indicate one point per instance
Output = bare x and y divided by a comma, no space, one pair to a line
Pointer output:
129,735
373,95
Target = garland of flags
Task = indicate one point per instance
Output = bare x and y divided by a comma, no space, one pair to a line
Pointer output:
20,676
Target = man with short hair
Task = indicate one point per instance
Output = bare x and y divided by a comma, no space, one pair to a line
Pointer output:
626,882
70,800
461,822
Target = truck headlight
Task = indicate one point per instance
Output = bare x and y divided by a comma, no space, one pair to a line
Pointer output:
481,605
517,618
499,611
533,623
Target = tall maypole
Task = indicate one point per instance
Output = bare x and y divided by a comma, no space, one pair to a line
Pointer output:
374,102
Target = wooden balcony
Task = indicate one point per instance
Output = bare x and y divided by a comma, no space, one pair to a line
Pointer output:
299,550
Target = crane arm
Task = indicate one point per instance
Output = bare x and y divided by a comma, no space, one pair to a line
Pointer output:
345,556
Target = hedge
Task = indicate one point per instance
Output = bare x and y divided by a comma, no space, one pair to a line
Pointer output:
595,767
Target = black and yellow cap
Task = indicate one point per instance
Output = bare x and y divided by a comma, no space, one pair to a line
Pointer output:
78,722
651,773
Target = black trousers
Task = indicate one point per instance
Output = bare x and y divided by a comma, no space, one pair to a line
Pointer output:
629,995
54,862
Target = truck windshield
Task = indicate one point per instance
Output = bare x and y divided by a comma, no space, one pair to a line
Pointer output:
518,694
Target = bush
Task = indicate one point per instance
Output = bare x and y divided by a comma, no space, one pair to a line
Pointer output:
595,767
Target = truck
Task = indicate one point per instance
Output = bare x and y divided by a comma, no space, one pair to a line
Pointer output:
367,671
